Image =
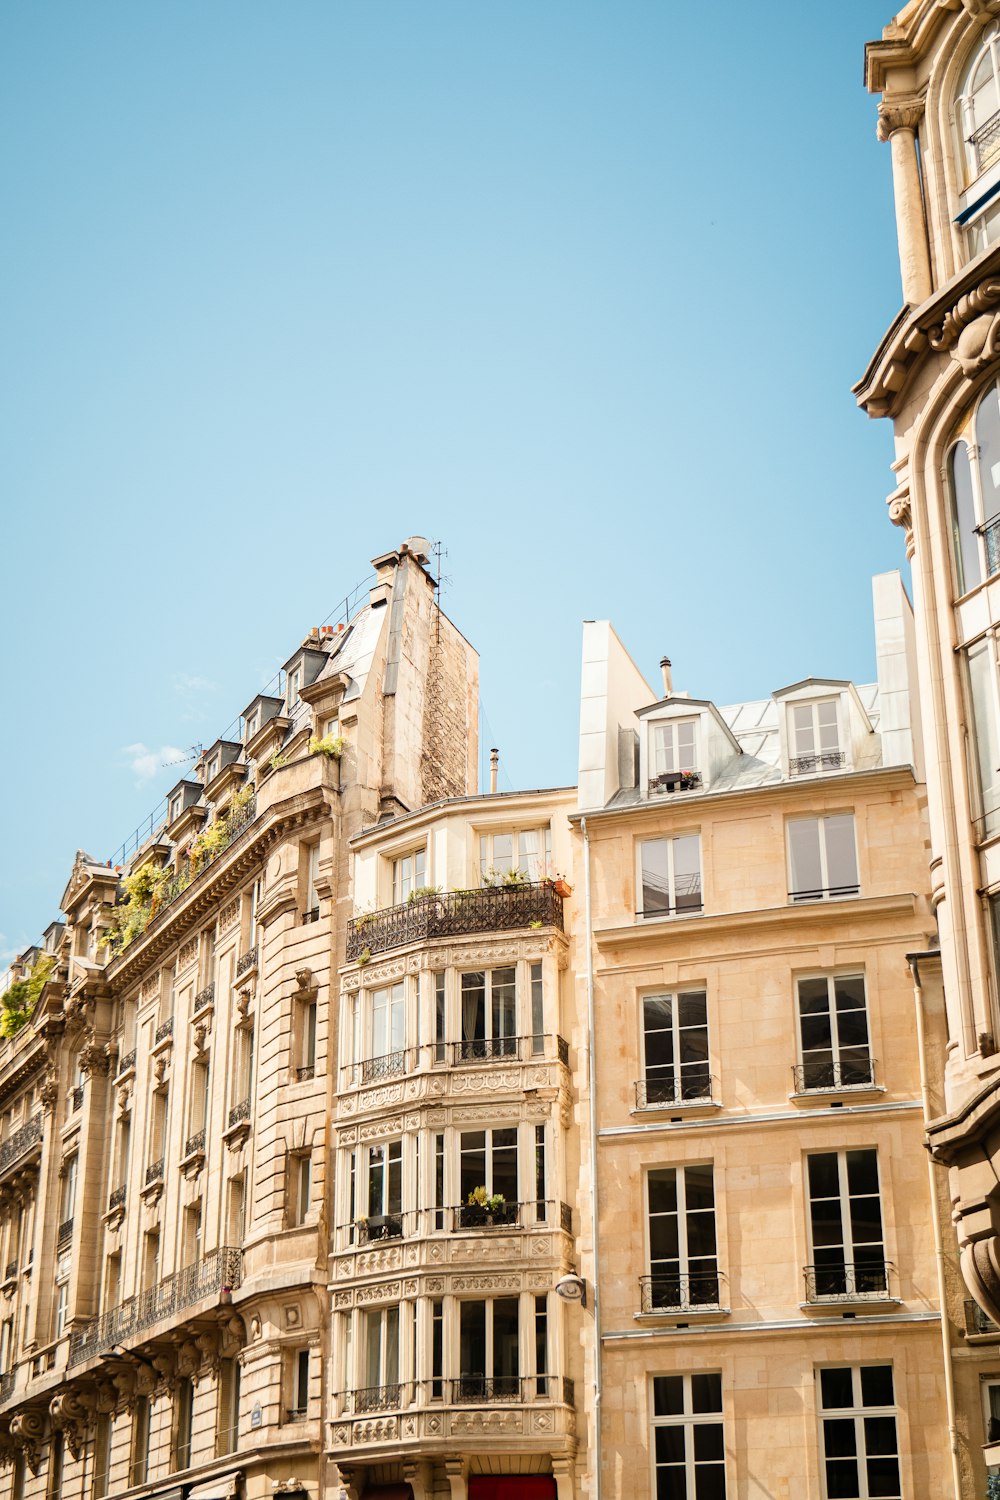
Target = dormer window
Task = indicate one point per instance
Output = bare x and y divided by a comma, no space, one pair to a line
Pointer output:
673,756
175,808
292,686
815,738
251,726
212,769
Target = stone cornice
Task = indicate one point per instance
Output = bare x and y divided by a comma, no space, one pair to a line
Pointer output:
910,37
951,1135
957,321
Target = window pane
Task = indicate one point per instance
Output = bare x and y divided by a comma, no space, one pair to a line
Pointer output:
840,1436
883,1479
987,733
670,1444
710,1481
836,1388
706,1393
964,520
841,856
668,1395
876,1385
655,876
803,850
802,723
988,438
687,873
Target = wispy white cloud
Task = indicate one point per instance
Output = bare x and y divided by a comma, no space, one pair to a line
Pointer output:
188,682
9,950
146,763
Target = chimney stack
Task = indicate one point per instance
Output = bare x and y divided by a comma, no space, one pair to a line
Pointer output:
494,767
668,677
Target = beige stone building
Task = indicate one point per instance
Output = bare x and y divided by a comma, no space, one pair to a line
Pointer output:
769,1298
935,375
166,1194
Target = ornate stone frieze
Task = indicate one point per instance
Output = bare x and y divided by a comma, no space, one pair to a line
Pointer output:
495,1282
377,1430
228,915
385,1291
485,1423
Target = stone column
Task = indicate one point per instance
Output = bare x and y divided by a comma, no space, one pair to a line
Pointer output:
454,1468
897,124
562,1471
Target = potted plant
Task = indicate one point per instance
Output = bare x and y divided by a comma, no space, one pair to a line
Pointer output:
330,745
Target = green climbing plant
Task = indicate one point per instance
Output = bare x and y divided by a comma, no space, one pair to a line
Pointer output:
19,1001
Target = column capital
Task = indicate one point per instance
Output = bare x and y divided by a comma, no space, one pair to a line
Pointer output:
899,114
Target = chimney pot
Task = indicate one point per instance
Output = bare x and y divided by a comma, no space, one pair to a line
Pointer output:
668,676
494,767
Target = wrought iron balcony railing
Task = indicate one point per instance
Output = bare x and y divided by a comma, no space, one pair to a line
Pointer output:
985,142
194,1143
239,1113
378,1398
686,904
217,1273
675,781
65,1233
501,908
7,1382
76,1098
848,1281
679,1292
154,1172
379,1227
830,1075
204,997
126,1062
487,1389
473,1051
819,760
11,1270
21,1141
481,1216
689,1083
389,1065
164,1030
977,1322
247,962
117,1198
466,1390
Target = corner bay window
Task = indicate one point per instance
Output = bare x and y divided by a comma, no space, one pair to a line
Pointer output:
381,1377
688,1443
822,857
488,1014
488,1160
385,1055
670,876
488,1350
858,1425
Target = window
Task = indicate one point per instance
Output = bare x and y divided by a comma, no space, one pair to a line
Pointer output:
488,1160
299,1188
528,850
688,1446
250,728
192,1234
488,1350
386,1033
175,808
67,1204
307,1040
212,769
298,1406
140,1441
858,1423
974,484
541,1345
408,875
151,1258
293,683
670,876
845,1213
183,1411
537,1011
237,1211
489,1015
440,1018
683,1258
385,1192
822,857
675,1049
311,909
815,737
381,1360
673,747
983,692
437,1349
833,1030
102,1455
228,1414
978,102
53,1483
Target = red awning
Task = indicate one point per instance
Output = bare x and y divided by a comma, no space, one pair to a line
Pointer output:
388,1492
512,1487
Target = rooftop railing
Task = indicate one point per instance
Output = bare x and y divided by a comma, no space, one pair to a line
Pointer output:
219,1271
500,908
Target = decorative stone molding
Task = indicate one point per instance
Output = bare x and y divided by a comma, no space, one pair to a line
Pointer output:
71,1413
968,325
27,1430
94,1057
900,114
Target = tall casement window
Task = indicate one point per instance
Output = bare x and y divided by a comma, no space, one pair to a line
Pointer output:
673,747
488,1178
688,1443
488,1015
139,1461
845,1215
409,874
488,1350
183,1412
54,1479
386,1053
381,1360
299,1187
385,1192
858,1430
670,876
983,688
527,850
833,1030
102,1456
228,1412
298,1385
822,858
815,737
977,105
683,1256
675,1049
974,486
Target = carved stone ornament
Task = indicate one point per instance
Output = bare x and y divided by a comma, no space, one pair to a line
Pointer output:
968,310
70,1414
899,508
49,1091
981,1269
94,1056
27,1430
289,1486
980,10
898,114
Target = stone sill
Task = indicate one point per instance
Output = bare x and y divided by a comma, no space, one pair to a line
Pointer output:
817,1096
669,1317
693,1107
852,1305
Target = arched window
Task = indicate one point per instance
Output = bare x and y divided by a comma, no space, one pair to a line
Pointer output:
974,486
978,106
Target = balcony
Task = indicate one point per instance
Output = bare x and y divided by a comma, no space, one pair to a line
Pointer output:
76,1098
690,1083
502,908
154,1172
675,1292
985,143
472,1052
820,760
217,1273
247,963
674,781
21,1142
978,1324
379,1227
849,1281
127,1063
833,1077
117,1198
64,1235
468,1390
195,1144
204,997
239,1113
163,1031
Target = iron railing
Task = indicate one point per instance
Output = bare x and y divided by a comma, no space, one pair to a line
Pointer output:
11,1270
565,1218
687,903
990,533
204,997
985,142
76,1098
390,1065
675,781
824,894
562,1049
481,1216
977,1321
247,962
487,1388
117,1198
379,1227
377,1398
164,1030
499,908
218,1272
7,1382
128,1061
824,1077
850,1281
312,915
154,1172
679,1292
194,1143
65,1233
239,1113
27,1135
467,1389
687,1084
819,760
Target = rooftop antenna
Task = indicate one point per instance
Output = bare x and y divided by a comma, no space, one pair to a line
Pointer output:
439,583
193,752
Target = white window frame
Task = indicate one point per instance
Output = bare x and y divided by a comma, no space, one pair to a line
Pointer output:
837,1048
293,686
672,892
683,1275
964,117
681,760
810,748
535,865
688,1420
857,1284
382,1319
826,891
857,1413
678,1034
250,727
395,1012
408,873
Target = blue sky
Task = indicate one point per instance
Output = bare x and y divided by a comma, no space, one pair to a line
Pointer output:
579,289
